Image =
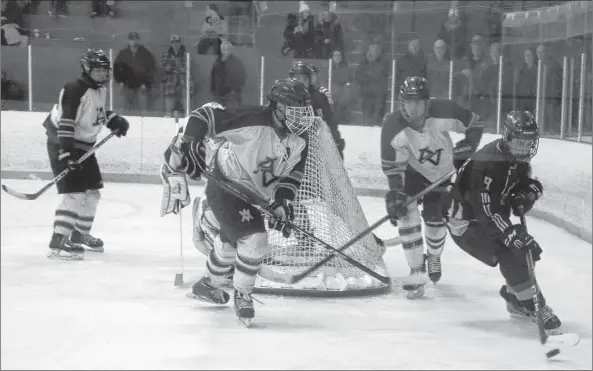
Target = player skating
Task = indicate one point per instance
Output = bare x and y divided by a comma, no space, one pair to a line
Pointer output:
416,150
260,151
495,182
72,128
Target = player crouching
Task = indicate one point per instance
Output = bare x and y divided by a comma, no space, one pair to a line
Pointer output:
496,181
260,152
72,128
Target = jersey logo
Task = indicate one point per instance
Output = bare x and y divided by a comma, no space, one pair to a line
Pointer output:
265,167
245,215
434,157
100,117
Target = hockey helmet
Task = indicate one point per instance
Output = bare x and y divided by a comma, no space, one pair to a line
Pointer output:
96,65
314,75
520,135
292,105
301,71
413,96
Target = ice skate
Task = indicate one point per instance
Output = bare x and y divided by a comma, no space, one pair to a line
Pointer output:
521,309
62,248
414,283
205,290
434,267
244,307
88,241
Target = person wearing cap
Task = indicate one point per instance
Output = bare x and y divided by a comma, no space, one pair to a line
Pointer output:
174,63
227,77
454,33
214,30
133,70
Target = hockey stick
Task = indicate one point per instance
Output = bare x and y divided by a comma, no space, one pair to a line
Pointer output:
179,276
553,341
298,277
60,176
265,211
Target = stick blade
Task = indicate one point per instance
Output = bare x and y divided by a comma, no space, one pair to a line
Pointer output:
22,196
565,340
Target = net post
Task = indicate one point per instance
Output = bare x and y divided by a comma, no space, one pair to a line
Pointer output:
30,75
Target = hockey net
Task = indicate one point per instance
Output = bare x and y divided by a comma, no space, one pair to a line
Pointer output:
326,206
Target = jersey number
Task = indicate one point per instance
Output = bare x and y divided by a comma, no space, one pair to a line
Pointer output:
487,182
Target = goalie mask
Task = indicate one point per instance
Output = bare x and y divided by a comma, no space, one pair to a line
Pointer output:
291,103
413,98
520,135
96,66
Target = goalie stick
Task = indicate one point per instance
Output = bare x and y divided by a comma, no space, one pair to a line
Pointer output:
60,176
264,210
555,342
298,277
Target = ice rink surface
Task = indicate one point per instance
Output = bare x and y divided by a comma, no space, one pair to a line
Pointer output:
119,310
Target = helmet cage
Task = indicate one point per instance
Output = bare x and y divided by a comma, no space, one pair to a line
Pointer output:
521,144
299,119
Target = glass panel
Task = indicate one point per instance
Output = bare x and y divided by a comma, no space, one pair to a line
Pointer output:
15,89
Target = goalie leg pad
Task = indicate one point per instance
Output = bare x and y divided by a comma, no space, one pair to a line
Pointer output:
206,227
250,251
67,213
410,231
220,261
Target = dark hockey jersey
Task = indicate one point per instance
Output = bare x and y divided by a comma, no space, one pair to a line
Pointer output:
322,106
245,146
413,159
76,120
482,187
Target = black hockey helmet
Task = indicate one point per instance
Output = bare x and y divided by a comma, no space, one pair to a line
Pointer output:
520,135
96,65
292,105
301,71
414,89
314,75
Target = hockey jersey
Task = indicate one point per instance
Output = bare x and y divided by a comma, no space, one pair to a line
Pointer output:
481,189
413,159
76,120
246,147
321,103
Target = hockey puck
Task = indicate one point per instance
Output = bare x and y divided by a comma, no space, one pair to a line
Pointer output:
553,353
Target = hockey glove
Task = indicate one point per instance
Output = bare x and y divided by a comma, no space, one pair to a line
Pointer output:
69,157
117,124
516,236
462,151
395,204
176,191
284,213
524,197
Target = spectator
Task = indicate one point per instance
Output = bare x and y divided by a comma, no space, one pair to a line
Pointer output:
373,76
329,35
134,69
454,33
478,85
58,8
102,8
11,90
438,70
288,47
175,87
526,87
552,95
227,78
492,75
304,33
14,27
341,89
413,63
214,30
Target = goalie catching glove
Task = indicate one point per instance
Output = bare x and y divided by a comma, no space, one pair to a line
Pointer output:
176,191
283,214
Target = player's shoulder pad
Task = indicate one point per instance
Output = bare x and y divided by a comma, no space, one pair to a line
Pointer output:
394,123
75,89
448,109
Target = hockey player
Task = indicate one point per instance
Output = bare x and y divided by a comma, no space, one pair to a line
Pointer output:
496,181
72,128
262,153
320,101
416,150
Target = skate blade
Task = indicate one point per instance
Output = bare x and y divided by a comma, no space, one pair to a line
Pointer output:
246,321
416,293
204,299
94,249
564,340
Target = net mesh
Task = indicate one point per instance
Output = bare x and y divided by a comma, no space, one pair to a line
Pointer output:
326,206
